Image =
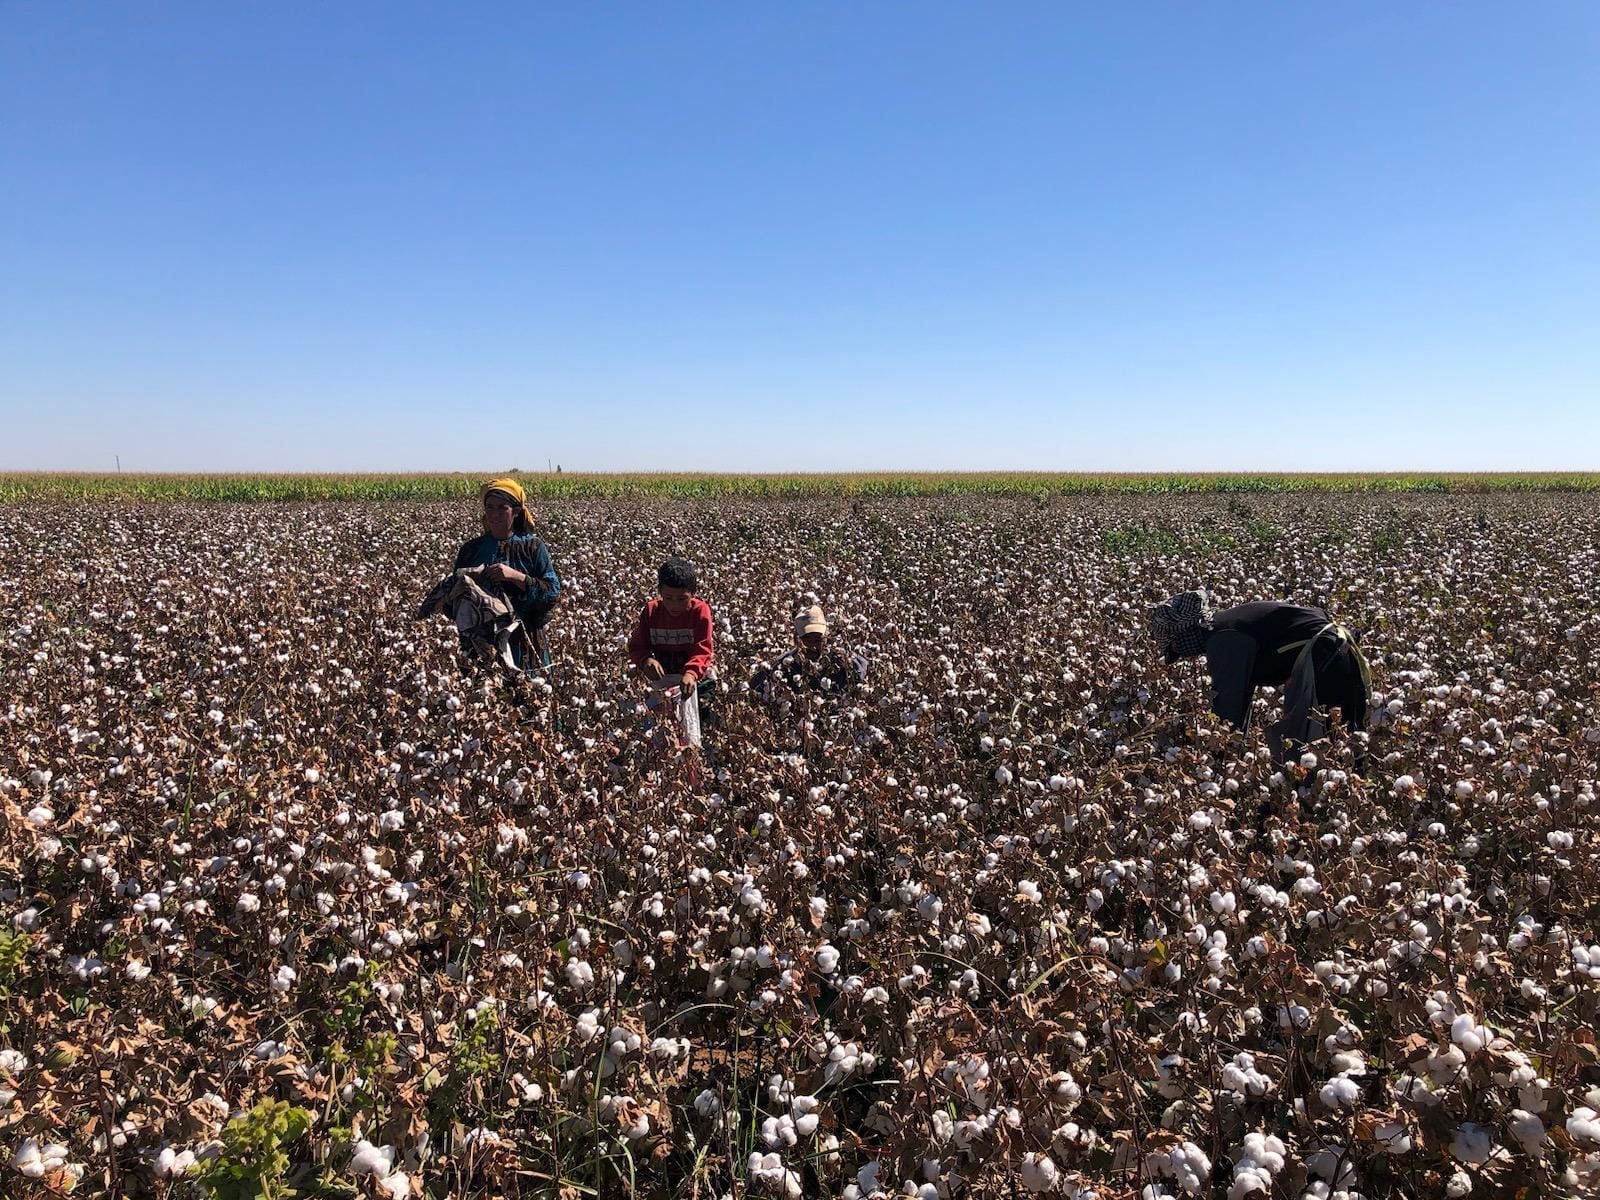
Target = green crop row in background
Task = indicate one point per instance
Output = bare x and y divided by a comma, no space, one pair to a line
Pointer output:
54,486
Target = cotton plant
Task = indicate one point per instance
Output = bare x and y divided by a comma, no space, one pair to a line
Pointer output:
904,888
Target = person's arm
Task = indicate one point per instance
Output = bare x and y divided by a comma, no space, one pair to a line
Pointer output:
530,571
464,555
640,651
540,578
538,582
700,661
1230,658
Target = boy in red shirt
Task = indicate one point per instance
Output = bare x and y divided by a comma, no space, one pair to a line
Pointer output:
673,636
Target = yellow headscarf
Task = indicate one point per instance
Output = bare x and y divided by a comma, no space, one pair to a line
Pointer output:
513,489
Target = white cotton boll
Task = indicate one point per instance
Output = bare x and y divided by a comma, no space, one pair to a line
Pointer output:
1443,1065
1039,1173
1185,1164
1002,776
34,1160
769,1173
1340,1092
1067,1089
1459,1184
1472,1144
1392,1137
827,958
668,1048
1584,1126
1259,1159
529,1092
778,1131
1028,892
1249,1181
1241,1077
1529,1132
1348,1062
707,1104
170,1163
587,1026
1295,1016
372,1160
1468,1034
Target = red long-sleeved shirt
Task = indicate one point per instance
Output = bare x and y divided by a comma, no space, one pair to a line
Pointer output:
680,642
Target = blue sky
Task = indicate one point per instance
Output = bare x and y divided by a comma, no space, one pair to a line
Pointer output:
763,236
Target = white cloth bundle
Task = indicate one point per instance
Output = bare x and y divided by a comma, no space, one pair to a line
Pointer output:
686,712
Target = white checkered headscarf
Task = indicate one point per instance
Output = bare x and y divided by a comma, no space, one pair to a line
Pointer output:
1181,625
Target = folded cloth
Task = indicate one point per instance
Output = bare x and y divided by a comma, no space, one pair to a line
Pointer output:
483,614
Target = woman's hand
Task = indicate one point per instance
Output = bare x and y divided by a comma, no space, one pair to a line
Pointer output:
687,686
500,573
652,668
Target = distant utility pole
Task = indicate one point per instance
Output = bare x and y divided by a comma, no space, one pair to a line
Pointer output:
119,464
547,467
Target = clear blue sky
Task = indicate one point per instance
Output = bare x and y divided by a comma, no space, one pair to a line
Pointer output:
763,236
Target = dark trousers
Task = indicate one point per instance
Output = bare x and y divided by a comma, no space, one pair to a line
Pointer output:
1331,679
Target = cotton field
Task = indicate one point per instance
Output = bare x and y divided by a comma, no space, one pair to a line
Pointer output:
294,895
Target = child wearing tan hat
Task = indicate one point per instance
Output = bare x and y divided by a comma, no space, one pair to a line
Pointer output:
813,664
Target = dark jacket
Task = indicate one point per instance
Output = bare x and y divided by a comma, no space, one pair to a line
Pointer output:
1257,645
798,673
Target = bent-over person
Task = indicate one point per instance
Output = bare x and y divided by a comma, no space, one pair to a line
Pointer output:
1269,643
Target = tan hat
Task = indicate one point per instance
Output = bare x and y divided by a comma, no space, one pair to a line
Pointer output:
810,620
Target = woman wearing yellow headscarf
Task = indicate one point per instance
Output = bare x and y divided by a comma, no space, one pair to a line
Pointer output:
516,558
